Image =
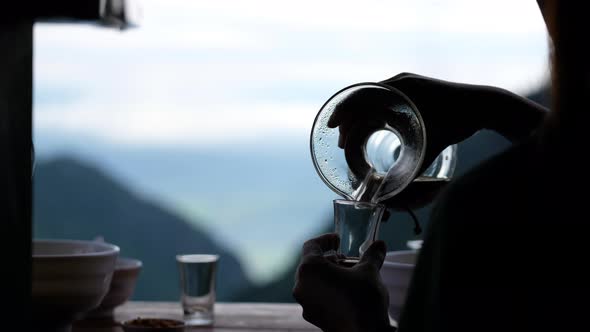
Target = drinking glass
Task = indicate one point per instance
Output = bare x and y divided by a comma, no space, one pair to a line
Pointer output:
357,224
197,287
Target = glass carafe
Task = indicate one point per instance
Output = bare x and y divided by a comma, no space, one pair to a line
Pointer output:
384,148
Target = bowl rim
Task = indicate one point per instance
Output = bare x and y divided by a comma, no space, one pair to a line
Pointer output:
399,253
130,264
109,249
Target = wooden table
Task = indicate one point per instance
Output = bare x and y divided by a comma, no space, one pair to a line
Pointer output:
229,317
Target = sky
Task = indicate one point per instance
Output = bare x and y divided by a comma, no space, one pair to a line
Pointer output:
220,75
219,72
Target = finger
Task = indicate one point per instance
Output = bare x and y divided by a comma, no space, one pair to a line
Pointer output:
406,85
346,110
315,316
317,246
398,77
374,256
334,120
340,116
344,129
333,258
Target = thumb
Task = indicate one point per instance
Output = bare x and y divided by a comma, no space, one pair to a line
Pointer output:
374,256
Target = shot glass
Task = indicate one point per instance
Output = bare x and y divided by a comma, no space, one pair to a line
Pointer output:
197,288
357,224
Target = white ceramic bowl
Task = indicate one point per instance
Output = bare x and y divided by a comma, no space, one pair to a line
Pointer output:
69,279
122,287
396,274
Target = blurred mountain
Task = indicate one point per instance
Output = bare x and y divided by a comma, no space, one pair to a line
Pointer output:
399,228
77,201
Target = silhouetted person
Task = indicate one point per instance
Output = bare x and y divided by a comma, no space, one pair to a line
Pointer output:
508,243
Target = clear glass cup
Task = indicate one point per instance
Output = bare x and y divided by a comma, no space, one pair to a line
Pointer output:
197,288
357,224
384,147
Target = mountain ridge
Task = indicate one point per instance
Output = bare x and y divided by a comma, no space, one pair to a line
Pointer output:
75,200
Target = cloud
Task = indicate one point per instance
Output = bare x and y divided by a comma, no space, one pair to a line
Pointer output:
153,125
211,72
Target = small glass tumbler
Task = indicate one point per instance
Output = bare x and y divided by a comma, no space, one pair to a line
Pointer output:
357,224
197,288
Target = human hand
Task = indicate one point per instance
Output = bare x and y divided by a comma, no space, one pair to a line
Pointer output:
451,112
337,298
